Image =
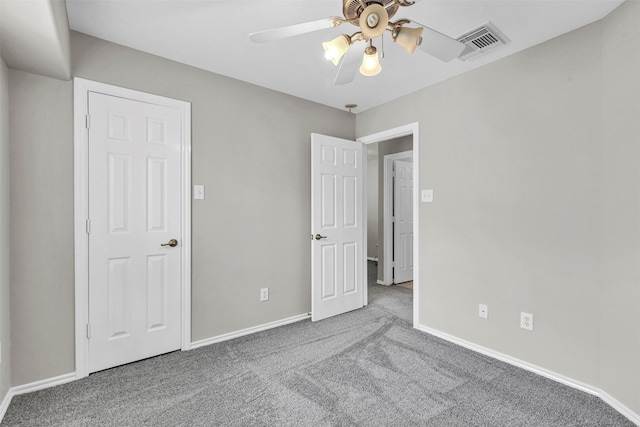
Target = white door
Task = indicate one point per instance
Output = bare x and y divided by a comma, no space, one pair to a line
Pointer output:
337,247
403,222
134,211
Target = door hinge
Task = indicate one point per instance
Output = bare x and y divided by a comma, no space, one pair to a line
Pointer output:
393,219
88,226
88,330
87,121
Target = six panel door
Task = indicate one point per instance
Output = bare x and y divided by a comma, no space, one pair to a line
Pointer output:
134,209
403,222
337,251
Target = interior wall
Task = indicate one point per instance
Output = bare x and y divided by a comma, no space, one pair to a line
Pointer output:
518,209
250,148
385,148
5,320
42,293
619,296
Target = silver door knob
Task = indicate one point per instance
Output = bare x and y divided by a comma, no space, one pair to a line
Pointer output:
318,237
172,243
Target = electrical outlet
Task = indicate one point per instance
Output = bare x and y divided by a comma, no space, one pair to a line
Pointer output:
264,294
426,196
526,321
483,311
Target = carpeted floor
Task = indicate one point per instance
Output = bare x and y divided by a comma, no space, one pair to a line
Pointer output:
364,368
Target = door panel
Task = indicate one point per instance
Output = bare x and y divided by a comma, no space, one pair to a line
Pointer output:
338,258
156,291
156,191
134,207
403,224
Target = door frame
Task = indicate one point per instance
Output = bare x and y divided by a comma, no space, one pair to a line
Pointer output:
409,129
388,200
81,88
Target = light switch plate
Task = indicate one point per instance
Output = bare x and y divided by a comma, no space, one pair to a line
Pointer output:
198,192
483,311
427,196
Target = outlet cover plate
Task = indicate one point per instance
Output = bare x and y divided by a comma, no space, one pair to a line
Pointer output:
526,321
426,196
483,311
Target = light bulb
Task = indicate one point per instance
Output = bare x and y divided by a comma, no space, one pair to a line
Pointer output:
336,48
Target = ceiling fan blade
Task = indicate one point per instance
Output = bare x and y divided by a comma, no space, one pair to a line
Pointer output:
293,30
439,45
348,66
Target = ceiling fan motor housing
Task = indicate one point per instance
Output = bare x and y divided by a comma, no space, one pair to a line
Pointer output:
352,9
373,21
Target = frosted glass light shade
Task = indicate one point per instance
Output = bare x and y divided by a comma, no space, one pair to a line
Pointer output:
336,48
370,62
408,38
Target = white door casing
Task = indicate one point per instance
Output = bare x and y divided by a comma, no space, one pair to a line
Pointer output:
132,194
403,221
337,226
134,208
412,129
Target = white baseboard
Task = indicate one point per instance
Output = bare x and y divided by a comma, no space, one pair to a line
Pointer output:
606,397
370,258
382,282
618,406
248,331
5,404
34,386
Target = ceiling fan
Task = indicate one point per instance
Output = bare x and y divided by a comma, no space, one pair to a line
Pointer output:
373,17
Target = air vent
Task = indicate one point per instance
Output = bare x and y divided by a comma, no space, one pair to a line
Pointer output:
481,40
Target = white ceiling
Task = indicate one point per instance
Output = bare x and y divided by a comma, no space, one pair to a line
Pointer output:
213,35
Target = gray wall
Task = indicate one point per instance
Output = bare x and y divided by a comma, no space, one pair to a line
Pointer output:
42,318
5,320
619,293
534,159
250,147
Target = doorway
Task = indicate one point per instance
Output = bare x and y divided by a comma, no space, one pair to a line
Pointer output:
410,133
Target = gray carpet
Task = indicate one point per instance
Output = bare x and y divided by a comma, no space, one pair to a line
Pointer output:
364,368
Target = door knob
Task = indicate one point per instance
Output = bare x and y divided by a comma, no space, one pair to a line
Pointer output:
172,243
318,237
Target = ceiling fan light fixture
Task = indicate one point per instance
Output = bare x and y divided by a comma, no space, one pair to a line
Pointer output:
370,62
408,38
374,20
336,48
